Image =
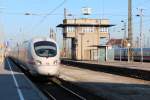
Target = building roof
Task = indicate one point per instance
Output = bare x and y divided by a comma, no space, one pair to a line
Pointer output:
99,46
114,42
85,25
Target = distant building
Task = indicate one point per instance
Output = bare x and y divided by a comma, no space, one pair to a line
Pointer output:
117,43
52,34
84,33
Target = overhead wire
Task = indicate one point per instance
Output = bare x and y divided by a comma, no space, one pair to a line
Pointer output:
60,14
57,7
50,13
24,14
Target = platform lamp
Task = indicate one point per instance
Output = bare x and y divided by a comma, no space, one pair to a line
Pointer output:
128,45
141,31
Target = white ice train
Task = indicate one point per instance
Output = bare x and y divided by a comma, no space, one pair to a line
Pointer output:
39,56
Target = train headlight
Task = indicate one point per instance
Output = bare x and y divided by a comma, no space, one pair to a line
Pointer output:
55,62
38,62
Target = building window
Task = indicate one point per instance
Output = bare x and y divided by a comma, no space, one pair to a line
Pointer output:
87,29
83,30
103,29
70,29
91,29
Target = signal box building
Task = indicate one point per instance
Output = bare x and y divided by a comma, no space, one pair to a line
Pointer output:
84,35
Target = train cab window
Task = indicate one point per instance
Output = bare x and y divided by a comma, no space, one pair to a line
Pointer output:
45,49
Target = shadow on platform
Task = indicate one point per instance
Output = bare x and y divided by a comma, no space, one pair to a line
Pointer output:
117,91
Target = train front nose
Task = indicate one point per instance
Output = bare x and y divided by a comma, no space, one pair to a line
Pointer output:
48,70
49,67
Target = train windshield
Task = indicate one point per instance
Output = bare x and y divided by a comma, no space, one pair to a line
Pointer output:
45,49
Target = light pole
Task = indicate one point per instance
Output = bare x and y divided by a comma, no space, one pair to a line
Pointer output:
124,38
124,28
128,45
120,50
81,44
141,32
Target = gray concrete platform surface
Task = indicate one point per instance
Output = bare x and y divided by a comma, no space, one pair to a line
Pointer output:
122,64
132,65
107,86
132,69
14,85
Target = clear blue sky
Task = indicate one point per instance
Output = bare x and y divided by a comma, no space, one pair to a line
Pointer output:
14,24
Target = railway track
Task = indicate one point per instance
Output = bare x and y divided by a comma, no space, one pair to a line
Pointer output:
58,89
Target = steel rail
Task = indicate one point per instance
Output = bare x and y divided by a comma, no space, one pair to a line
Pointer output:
48,94
68,90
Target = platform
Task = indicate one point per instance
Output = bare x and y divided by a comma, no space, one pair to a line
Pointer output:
107,86
14,85
122,64
131,69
